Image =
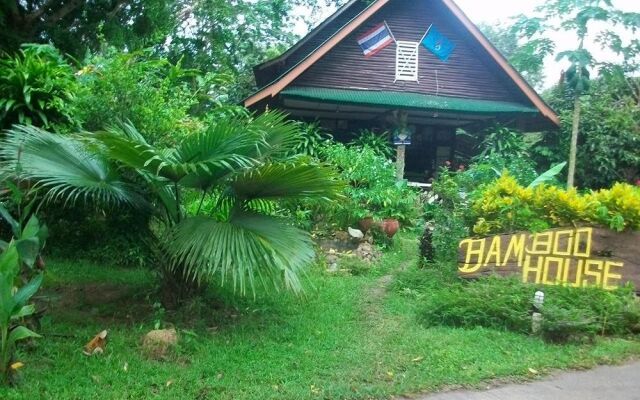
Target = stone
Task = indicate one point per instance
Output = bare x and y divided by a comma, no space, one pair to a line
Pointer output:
356,233
157,343
367,252
342,236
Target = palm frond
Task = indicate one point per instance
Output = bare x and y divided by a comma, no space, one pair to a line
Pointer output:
287,180
64,166
276,135
248,249
197,162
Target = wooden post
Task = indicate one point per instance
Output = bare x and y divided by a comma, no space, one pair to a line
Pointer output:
400,153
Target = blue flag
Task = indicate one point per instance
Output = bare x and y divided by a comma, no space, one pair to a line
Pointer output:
438,44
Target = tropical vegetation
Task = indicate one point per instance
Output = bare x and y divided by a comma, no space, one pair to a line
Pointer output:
136,194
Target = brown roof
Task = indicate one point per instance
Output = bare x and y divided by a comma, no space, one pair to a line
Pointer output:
273,88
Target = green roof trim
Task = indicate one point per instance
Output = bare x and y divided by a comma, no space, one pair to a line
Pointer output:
404,100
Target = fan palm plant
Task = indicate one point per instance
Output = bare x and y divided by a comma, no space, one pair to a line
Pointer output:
241,163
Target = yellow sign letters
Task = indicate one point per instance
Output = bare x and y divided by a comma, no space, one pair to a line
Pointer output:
560,257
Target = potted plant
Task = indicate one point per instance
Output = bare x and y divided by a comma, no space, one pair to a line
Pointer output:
390,226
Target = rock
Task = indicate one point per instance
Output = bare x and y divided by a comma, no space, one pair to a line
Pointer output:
333,267
157,343
367,252
342,236
356,233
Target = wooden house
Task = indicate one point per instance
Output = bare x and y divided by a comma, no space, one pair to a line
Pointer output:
349,75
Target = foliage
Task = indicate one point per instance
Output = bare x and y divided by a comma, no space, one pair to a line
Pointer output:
576,18
489,168
78,26
446,214
312,138
239,158
380,143
216,35
449,210
37,87
523,45
505,304
153,94
117,236
506,207
65,167
373,190
233,37
548,177
609,146
13,310
503,141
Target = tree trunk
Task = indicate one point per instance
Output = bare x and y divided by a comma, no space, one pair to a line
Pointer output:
574,143
400,153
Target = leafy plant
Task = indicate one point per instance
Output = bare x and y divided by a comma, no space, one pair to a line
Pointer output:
37,86
244,161
379,142
504,141
507,206
373,190
569,314
609,145
548,176
311,138
29,234
446,214
13,309
155,95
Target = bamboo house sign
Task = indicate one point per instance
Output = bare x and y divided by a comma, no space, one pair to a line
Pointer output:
581,257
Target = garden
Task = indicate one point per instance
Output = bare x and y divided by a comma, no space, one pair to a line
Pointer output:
160,241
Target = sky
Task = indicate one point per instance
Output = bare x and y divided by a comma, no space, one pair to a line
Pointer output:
500,11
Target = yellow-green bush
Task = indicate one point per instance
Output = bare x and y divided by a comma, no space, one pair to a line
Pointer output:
505,206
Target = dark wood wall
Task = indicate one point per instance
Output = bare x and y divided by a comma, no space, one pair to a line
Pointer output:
469,72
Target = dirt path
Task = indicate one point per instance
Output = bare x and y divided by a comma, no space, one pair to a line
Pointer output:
375,295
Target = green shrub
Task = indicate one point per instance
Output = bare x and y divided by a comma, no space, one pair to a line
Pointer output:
116,237
37,87
504,142
492,303
311,139
14,309
155,95
569,314
489,168
373,190
506,206
446,213
380,143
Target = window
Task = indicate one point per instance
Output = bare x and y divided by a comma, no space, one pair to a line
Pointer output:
407,61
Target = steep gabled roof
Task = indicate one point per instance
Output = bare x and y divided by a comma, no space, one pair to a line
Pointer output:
273,88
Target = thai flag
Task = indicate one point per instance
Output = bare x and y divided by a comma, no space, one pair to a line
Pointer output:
375,40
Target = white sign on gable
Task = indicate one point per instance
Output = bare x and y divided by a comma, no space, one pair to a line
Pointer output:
407,61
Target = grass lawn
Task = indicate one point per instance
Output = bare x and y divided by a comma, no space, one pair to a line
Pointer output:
350,338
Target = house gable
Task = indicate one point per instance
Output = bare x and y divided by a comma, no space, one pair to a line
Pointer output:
469,72
476,70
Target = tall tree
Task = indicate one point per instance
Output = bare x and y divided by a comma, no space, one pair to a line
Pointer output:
75,26
232,37
523,45
576,17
